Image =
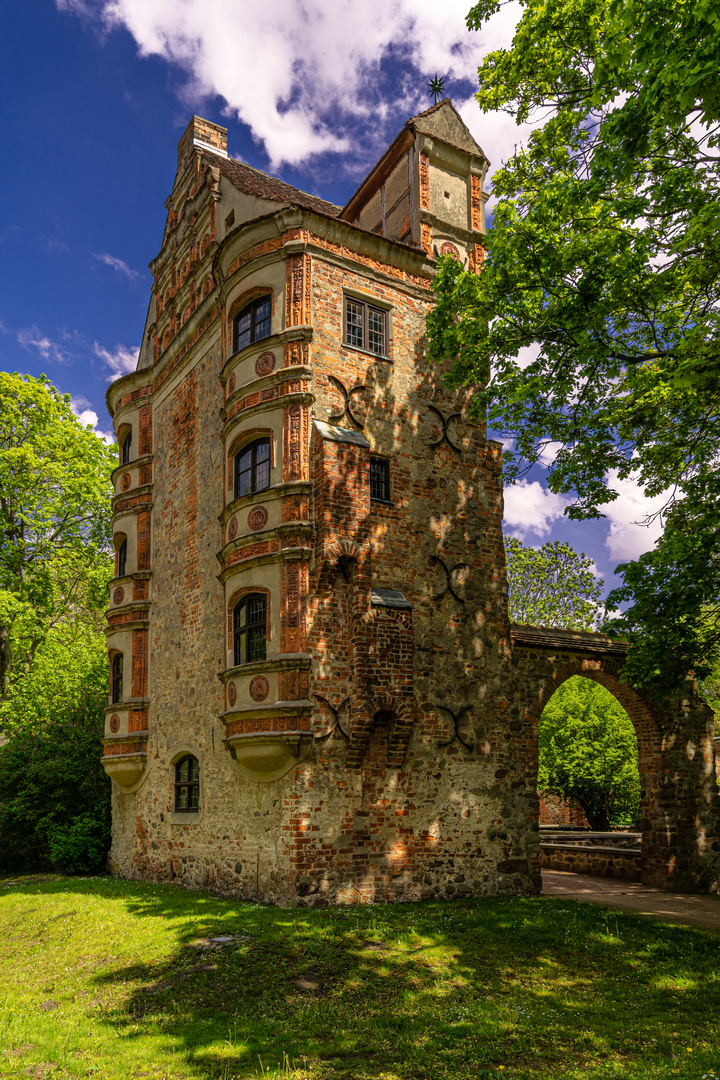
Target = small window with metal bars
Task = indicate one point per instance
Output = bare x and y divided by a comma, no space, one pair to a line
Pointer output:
365,327
187,785
380,479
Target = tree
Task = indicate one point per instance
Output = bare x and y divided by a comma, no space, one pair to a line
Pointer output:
587,752
55,533
594,324
551,586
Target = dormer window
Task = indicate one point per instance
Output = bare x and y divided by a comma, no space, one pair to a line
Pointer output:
127,443
252,324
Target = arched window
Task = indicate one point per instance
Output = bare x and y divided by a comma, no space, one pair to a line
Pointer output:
117,678
249,629
187,785
252,324
127,443
252,468
122,558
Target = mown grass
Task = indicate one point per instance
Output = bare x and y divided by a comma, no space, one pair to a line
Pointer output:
102,978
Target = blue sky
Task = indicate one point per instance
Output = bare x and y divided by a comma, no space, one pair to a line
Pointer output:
95,96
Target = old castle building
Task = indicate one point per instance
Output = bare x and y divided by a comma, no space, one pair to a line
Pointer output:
316,695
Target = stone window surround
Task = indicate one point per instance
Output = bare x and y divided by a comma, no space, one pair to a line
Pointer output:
177,817
383,305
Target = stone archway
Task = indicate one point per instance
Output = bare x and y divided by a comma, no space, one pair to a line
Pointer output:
680,802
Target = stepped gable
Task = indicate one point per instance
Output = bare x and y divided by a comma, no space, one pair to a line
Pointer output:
253,182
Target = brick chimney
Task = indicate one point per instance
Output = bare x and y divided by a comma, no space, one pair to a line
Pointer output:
202,134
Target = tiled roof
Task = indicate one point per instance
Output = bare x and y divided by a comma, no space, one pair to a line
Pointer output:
254,182
545,637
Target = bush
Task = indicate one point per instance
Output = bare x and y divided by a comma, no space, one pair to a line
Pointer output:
54,794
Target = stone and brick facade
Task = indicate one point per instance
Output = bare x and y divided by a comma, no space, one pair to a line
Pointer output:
383,747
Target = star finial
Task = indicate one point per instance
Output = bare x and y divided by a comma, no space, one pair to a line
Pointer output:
437,87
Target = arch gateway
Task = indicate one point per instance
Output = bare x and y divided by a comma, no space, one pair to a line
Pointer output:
319,697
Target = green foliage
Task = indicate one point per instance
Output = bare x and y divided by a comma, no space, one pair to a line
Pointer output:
55,531
551,586
55,562
54,794
594,324
587,751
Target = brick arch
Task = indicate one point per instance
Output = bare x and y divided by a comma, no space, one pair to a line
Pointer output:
680,803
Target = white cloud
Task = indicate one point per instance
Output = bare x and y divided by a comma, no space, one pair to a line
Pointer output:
87,416
31,337
119,265
299,73
531,508
120,361
628,537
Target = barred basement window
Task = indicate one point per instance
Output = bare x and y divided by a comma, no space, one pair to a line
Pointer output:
252,468
116,688
250,629
252,324
365,326
127,443
122,558
187,785
380,479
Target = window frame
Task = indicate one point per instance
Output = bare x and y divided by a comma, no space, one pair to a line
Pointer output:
367,307
116,679
252,447
122,558
190,784
252,307
385,463
241,633
125,449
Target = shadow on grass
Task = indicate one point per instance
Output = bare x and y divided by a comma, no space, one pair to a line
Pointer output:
422,991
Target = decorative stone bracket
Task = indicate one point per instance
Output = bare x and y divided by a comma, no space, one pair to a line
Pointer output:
266,756
126,761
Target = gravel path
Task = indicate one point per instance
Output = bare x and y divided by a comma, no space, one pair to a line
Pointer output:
671,907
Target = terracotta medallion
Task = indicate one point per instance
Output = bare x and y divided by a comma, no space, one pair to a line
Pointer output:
232,528
125,481
259,688
232,694
114,723
118,596
265,363
257,518
449,249
231,383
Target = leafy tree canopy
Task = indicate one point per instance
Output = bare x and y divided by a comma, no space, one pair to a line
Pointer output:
551,586
587,751
55,534
593,327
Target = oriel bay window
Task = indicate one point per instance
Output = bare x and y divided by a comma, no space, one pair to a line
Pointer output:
116,682
127,443
252,324
249,629
365,326
187,785
252,468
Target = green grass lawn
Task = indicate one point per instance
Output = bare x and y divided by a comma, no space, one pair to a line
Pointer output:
106,978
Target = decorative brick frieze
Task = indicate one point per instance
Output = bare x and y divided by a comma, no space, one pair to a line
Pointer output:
143,540
295,442
424,181
476,202
140,663
297,290
293,605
